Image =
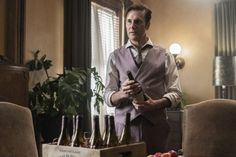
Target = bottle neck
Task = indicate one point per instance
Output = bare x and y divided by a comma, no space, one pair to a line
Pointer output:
96,126
64,136
106,123
112,124
64,124
80,122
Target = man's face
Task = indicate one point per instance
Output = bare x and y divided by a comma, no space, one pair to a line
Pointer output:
136,26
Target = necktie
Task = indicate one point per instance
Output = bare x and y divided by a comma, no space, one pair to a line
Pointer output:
139,59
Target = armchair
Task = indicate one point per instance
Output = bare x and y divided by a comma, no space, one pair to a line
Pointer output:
16,131
209,129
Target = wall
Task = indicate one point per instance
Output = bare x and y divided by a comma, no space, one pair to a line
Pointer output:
191,24
2,26
44,30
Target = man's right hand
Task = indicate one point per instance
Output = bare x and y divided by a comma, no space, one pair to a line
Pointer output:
131,87
128,89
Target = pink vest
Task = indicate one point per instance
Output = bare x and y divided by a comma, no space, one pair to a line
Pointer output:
150,75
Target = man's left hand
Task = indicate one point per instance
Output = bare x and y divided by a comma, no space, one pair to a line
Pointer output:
151,104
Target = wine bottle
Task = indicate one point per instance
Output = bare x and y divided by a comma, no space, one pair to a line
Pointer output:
96,139
74,124
74,127
78,138
64,138
139,96
125,137
112,139
130,75
105,132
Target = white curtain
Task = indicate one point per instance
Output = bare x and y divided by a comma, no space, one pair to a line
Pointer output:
105,39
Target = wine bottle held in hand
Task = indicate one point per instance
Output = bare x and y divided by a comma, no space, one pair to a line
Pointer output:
125,137
139,96
112,139
64,138
96,139
130,75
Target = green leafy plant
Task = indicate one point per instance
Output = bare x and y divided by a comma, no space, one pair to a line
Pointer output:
183,101
65,94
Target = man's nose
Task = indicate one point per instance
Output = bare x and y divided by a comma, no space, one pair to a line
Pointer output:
132,24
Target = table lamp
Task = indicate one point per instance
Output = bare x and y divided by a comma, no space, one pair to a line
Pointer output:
224,72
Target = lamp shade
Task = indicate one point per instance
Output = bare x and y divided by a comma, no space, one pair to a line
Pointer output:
224,71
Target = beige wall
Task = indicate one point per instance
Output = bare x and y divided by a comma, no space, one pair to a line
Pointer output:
2,26
44,30
190,23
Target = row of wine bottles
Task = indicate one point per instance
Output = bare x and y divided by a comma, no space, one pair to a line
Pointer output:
77,138
108,139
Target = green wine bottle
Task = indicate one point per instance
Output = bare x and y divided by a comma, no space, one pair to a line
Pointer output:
125,137
112,139
78,138
73,130
96,139
105,132
64,138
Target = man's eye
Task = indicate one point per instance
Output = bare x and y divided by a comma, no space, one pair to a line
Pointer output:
129,21
138,22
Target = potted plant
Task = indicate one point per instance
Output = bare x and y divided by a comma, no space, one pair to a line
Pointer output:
64,94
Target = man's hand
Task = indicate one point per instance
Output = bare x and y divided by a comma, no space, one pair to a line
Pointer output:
131,87
147,105
128,89
151,104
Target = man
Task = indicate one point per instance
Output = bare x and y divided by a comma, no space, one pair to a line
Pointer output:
154,88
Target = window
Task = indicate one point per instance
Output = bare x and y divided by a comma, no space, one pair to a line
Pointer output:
105,25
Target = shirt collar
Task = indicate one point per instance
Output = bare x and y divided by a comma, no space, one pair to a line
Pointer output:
129,44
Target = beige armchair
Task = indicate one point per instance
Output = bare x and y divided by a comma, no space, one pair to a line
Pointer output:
16,131
209,129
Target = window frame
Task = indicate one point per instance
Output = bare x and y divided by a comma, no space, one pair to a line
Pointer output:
117,6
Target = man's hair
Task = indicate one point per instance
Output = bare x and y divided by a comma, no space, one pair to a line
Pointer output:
140,7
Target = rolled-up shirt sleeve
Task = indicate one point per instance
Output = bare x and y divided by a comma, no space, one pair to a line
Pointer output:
172,83
112,80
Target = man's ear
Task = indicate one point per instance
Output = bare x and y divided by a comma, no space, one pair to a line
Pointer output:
147,26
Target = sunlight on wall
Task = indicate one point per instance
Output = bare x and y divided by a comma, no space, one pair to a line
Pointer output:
44,31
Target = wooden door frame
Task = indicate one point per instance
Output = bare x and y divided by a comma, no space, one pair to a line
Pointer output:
15,23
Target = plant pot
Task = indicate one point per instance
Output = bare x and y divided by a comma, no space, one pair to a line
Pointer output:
49,127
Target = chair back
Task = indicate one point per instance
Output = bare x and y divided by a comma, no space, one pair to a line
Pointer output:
17,137
209,129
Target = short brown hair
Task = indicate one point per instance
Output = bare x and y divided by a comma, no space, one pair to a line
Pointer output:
140,7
